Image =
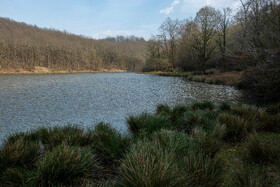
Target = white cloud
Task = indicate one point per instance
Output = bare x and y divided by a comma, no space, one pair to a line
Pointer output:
170,9
195,5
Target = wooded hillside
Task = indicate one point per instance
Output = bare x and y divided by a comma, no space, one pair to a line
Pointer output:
24,46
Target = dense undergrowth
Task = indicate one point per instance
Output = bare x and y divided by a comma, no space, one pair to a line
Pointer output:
201,144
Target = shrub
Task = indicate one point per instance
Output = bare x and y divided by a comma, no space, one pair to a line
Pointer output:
147,122
110,143
18,177
64,164
147,164
200,170
20,153
203,105
261,153
236,128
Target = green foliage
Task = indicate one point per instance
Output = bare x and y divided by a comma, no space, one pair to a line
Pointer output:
173,141
65,164
260,152
200,170
147,164
110,144
18,177
203,105
147,122
225,106
236,128
208,143
20,153
163,109
199,118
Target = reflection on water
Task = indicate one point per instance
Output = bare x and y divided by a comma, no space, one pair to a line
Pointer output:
29,101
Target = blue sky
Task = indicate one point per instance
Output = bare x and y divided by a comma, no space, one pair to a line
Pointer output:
102,18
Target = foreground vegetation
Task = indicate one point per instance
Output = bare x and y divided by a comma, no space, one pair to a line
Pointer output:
200,144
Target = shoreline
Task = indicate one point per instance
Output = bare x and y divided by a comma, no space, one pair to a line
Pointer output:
231,78
42,70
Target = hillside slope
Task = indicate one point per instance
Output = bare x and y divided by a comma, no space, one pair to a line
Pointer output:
24,47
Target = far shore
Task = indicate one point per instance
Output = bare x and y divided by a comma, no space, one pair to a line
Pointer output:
43,70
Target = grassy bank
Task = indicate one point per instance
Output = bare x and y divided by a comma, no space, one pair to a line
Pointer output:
211,77
44,70
200,144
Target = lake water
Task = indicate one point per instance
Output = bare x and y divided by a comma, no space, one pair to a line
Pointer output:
31,101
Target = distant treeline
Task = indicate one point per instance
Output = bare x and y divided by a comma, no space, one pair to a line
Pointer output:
24,46
248,39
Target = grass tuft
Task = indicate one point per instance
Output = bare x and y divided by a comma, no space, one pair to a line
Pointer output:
20,153
147,164
65,164
205,105
110,144
148,123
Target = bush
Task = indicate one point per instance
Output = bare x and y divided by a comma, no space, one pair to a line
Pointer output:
147,164
147,122
273,109
20,153
263,81
18,177
261,153
65,164
110,143
203,105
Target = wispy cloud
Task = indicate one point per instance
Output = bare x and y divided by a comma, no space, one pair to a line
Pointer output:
195,5
170,9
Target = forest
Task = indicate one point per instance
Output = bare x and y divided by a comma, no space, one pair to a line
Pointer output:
246,40
25,47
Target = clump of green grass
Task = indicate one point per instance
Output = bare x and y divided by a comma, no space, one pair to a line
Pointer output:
147,122
245,111
200,170
109,143
19,177
246,177
273,109
173,141
20,153
224,106
199,118
163,109
236,128
148,164
65,164
204,105
261,152
208,143
69,134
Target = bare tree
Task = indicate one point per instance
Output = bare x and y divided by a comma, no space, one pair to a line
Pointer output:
169,34
203,39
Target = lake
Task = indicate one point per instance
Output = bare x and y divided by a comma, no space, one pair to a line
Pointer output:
31,101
